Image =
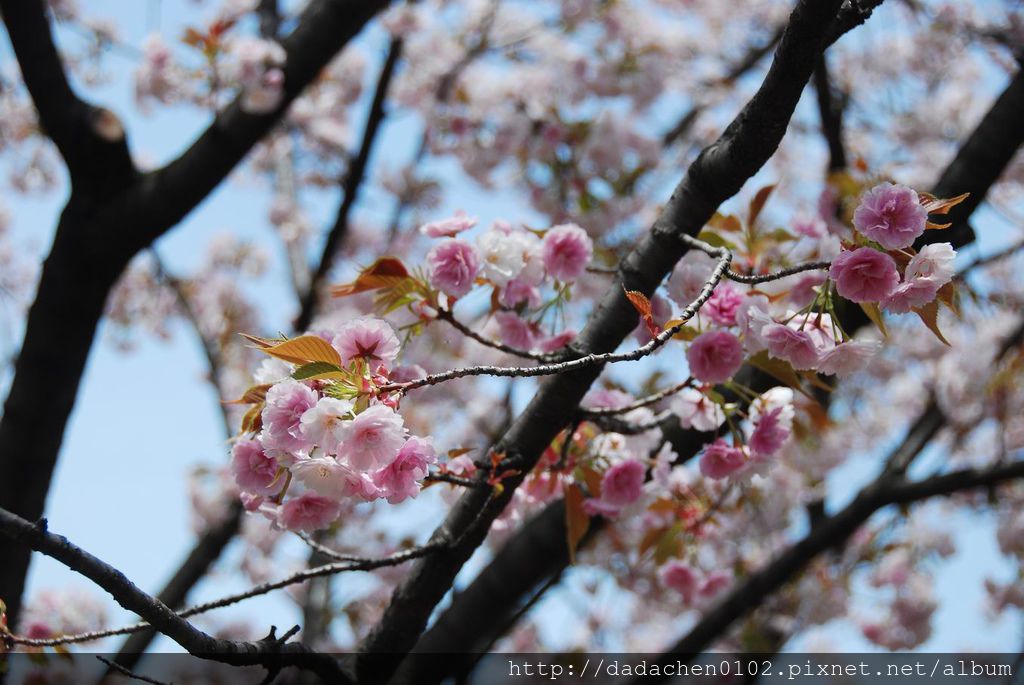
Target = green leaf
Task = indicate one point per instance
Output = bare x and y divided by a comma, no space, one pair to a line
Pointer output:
875,314
715,240
318,370
778,369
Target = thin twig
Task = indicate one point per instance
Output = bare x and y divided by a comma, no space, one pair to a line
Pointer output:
451,479
129,673
725,258
447,315
640,403
327,569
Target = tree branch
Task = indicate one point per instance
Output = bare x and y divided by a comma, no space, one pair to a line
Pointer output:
353,180
113,213
473,605
717,174
831,104
90,139
166,195
269,652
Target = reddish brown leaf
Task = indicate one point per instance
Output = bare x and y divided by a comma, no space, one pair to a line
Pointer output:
386,272
757,204
934,205
930,315
254,395
303,350
576,520
643,307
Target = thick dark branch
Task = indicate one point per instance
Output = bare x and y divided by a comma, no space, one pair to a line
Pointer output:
165,196
981,160
268,652
90,139
196,565
686,443
831,104
353,180
830,532
111,215
716,175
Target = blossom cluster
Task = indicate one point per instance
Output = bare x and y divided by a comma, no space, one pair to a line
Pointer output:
319,435
516,263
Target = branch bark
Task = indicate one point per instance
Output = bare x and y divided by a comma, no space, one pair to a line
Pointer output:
113,212
984,147
717,174
350,189
269,652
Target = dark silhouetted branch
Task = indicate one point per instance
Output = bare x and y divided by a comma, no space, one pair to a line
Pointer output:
270,652
350,188
717,174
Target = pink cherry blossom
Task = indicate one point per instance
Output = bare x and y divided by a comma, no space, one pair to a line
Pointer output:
714,583
286,402
372,439
848,358
322,424
566,251
696,411
680,577
517,292
891,215
911,294
400,480
623,483
326,476
864,275
557,341
934,261
453,265
769,435
446,228
715,356
720,459
253,470
514,331
689,276
367,338
308,512
723,305
791,345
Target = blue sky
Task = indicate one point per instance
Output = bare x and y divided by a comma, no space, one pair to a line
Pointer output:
120,487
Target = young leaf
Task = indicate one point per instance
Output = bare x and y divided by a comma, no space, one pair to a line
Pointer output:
686,333
386,272
305,349
576,520
643,307
778,369
725,222
757,204
318,370
934,205
930,315
715,240
254,395
875,314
